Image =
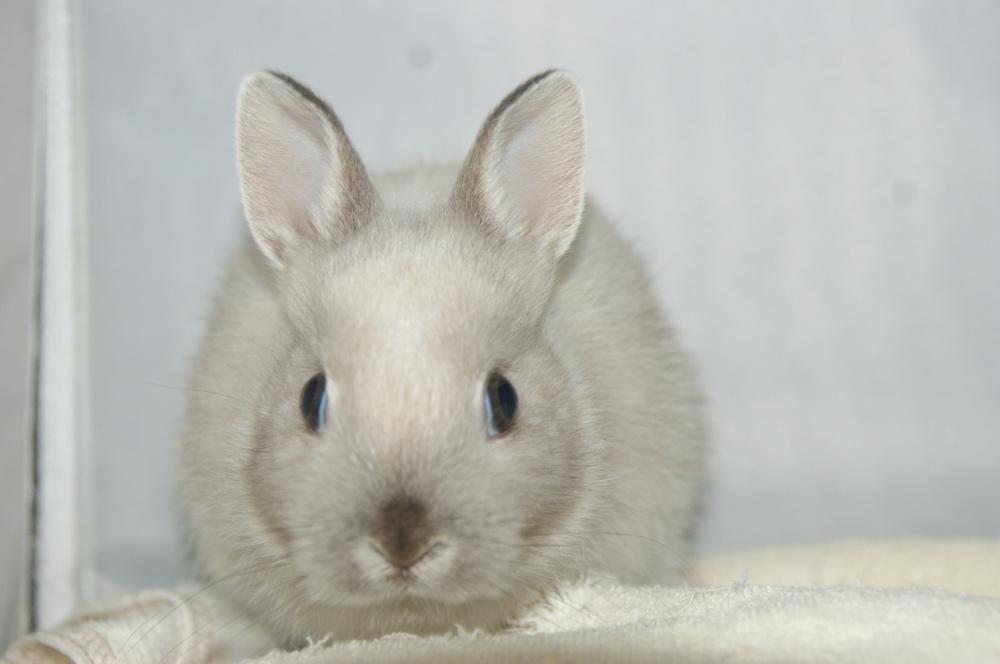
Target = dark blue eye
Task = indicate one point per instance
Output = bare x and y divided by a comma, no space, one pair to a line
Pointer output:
313,402
500,400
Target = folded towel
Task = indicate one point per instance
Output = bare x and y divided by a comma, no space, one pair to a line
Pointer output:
156,626
970,566
879,617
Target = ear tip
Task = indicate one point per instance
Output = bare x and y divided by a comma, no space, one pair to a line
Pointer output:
259,80
565,81
556,73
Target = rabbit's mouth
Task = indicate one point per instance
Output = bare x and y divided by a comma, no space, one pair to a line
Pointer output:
418,569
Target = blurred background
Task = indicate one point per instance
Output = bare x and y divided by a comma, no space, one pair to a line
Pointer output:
814,186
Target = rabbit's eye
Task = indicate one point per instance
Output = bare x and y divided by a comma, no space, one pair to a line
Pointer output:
313,402
500,400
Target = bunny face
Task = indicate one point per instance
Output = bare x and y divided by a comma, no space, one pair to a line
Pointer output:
405,421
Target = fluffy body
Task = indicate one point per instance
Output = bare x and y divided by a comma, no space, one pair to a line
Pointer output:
406,291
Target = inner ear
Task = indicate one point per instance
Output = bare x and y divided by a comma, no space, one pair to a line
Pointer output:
301,179
524,175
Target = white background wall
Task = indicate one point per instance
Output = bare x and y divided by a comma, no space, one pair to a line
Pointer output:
814,184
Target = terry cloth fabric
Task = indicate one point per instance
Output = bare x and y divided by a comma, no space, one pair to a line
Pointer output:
906,601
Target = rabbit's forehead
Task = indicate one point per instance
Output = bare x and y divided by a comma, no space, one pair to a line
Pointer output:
417,288
412,342
398,312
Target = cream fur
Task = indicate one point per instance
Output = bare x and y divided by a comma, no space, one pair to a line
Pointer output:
405,293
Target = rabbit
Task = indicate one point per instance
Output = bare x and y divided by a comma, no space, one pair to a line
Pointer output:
425,400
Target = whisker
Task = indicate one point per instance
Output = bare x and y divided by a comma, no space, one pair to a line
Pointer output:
159,619
187,388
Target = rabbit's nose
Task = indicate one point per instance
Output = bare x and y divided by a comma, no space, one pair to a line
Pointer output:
402,533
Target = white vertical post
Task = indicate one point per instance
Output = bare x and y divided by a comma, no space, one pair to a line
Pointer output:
18,296
62,440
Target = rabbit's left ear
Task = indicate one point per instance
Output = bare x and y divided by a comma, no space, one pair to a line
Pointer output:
524,175
302,181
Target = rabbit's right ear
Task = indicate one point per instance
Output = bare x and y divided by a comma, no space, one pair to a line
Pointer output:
301,180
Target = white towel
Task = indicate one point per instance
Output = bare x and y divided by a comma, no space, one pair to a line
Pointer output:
604,622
